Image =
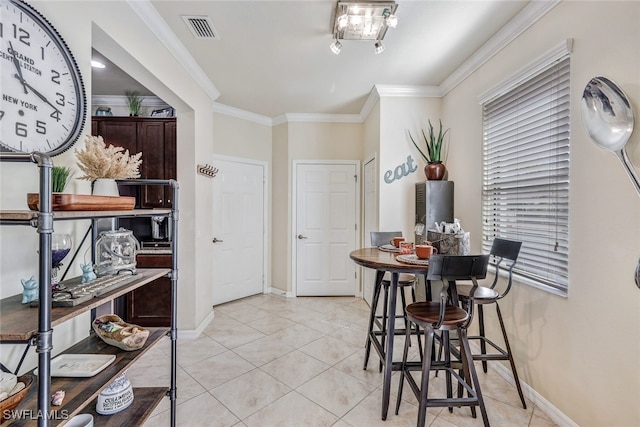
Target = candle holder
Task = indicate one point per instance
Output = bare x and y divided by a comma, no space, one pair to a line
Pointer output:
60,248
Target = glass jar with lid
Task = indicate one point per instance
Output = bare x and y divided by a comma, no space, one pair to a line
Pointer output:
115,252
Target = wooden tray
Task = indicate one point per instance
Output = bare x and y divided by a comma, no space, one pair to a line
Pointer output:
83,202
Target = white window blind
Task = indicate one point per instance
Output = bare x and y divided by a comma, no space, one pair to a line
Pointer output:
526,174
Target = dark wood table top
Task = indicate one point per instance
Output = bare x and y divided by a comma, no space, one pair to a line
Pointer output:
381,260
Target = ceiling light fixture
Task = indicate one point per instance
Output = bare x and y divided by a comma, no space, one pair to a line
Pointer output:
335,47
363,21
97,64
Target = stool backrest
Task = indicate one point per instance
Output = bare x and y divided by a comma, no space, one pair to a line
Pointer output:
450,268
379,238
503,250
457,267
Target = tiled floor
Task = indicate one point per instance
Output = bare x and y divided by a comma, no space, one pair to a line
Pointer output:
271,361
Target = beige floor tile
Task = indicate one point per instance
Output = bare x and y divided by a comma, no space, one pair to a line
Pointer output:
243,312
295,368
352,333
192,351
369,411
292,410
219,369
253,383
235,336
352,365
330,350
296,336
263,350
249,393
335,391
271,323
201,411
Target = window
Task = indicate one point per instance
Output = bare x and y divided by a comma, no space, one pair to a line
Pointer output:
526,173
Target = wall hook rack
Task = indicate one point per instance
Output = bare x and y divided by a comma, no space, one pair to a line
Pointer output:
207,170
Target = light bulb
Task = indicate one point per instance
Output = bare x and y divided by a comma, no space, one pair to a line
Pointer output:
335,47
392,21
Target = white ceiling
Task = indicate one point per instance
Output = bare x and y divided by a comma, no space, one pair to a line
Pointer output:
273,57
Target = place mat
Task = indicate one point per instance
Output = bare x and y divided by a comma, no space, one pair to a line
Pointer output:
412,259
388,248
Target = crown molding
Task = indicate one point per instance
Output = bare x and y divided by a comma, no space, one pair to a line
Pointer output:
242,114
121,101
408,91
323,118
152,19
527,17
556,53
518,25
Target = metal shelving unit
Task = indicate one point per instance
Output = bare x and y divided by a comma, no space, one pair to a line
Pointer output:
21,327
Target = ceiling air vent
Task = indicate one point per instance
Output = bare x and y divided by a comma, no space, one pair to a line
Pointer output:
201,27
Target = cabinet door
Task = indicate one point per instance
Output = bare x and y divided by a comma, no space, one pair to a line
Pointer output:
151,140
150,305
170,169
121,132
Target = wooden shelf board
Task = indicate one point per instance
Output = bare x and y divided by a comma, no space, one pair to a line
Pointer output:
79,392
27,215
145,401
20,322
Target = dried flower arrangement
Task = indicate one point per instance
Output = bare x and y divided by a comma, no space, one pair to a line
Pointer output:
99,161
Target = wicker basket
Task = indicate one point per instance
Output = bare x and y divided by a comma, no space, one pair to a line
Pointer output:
12,402
123,335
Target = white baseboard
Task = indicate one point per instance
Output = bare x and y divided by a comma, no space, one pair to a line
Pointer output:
192,334
279,292
547,407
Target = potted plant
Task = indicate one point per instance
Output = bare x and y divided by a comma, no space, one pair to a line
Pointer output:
103,164
134,101
435,169
60,176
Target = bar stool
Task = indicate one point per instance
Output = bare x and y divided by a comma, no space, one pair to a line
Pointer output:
380,238
443,316
507,251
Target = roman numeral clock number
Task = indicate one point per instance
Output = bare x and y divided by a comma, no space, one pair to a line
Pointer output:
42,99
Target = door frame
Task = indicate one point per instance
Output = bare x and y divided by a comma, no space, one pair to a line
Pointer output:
294,218
266,262
373,158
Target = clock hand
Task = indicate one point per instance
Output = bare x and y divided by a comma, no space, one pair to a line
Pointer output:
39,95
17,64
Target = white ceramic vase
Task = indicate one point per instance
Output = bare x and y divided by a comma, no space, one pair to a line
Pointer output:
105,187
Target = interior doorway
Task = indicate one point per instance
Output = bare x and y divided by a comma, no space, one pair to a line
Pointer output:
239,224
326,202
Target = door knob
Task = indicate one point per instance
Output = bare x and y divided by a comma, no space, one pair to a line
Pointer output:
215,240
300,236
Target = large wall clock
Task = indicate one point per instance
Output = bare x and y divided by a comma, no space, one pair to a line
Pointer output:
43,101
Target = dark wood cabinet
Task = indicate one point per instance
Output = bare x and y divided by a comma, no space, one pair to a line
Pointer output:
156,138
150,305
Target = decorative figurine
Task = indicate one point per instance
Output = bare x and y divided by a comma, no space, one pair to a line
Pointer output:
87,273
30,292
57,398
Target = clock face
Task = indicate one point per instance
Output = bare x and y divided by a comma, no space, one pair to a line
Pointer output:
43,102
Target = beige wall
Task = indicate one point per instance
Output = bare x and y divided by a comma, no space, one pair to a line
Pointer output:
397,199
302,141
281,210
580,353
241,138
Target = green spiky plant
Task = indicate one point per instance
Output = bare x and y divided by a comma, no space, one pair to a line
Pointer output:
433,142
60,176
134,101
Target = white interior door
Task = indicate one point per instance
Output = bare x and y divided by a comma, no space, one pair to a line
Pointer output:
370,219
238,227
326,222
